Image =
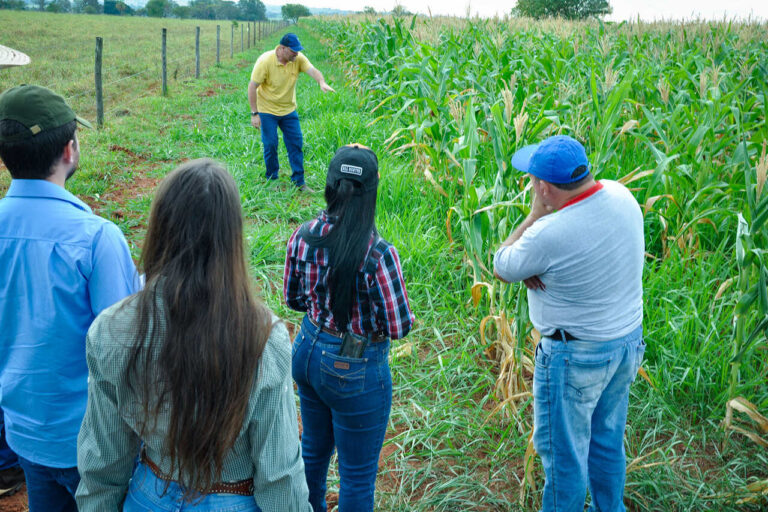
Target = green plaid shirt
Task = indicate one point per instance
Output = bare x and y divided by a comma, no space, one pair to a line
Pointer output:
266,450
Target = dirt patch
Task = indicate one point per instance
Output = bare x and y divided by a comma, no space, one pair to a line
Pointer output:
16,502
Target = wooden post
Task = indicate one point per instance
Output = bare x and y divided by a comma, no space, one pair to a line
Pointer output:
231,41
249,35
197,52
165,64
97,79
254,32
259,30
241,37
218,44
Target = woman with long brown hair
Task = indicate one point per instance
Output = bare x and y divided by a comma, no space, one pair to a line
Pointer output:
192,374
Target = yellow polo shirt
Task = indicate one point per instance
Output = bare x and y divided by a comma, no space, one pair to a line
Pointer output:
276,94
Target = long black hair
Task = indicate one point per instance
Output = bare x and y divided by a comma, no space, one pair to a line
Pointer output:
354,212
198,314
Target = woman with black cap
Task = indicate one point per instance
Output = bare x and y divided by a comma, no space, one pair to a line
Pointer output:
349,282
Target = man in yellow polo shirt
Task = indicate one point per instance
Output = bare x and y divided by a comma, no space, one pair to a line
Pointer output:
272,95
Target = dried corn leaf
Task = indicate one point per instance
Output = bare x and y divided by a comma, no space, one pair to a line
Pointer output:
406,349
434,183
641,372
743,405
723,287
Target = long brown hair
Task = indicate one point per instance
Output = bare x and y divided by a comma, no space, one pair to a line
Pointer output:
198,314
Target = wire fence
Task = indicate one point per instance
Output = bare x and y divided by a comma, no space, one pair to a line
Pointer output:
113,97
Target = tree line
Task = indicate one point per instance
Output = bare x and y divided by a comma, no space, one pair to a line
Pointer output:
250,10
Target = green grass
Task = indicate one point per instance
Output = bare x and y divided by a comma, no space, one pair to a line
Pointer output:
444,452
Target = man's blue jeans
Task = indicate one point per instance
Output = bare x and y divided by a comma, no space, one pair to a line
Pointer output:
50,489
580,399
345,403
8,458
148,493
289,125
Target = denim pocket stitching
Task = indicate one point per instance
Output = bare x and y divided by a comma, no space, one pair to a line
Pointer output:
343,383
577,393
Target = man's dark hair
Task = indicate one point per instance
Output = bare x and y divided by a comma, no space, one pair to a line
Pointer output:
575,184
33,158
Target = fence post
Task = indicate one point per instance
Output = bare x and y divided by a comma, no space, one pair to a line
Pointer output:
254,33
231,41
249,35
218,44
97,79
259,30
241,37
165,64
197,52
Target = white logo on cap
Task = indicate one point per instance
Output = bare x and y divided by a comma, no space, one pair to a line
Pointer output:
351,169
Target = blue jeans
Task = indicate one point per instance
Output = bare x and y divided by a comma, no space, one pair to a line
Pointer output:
293,140
148,493
345,404
50,489
8,458
580,399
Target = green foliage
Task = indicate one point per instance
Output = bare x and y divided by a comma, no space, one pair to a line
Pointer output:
292,12
369,10
252,10
159,8
59,6
16,5
567,9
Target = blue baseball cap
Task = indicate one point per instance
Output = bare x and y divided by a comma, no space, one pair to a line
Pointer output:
558,159
291,40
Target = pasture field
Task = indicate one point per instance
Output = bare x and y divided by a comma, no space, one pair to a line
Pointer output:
445,103
62,47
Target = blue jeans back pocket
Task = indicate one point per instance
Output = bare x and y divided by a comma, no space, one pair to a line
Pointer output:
342,376
585,380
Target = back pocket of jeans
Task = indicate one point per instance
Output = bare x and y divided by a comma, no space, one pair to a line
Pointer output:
342,376
585,380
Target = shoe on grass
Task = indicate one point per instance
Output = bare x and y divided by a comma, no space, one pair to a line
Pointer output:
305,189
11,480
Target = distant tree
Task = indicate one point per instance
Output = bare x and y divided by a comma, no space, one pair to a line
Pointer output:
40,4
87,7
369,10
252,10
225,10
117,8
16,5
568,9
203,9
59,6
123,8
159,8
182,11
292,12
399,11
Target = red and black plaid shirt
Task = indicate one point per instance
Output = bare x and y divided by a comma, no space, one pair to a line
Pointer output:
380,304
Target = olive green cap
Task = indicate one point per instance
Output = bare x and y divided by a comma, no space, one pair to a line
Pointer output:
37,108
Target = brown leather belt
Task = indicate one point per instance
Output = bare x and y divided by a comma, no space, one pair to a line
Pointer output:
375,337
242,488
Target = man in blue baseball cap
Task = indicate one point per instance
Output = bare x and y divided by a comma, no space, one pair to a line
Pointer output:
580,253
272,97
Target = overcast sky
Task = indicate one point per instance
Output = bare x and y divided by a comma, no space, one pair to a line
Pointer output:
622,9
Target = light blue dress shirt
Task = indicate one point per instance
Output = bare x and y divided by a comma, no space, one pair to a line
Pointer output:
61,265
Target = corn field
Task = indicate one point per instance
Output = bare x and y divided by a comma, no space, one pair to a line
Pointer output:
675,112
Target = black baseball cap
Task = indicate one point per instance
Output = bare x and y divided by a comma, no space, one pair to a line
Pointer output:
37,108
357,163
